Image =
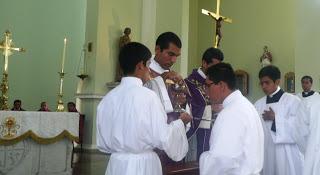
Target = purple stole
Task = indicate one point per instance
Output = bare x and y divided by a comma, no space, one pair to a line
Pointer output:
198,99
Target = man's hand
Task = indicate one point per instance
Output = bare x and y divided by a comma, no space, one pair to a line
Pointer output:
185,117
174,76
268,115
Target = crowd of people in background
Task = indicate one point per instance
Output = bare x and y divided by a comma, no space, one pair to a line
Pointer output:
17,106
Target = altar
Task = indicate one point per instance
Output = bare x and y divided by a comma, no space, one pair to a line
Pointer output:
37,142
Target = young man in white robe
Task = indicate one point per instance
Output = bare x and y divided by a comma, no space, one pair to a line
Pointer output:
308,94
308,135
131,121
236,142
278,111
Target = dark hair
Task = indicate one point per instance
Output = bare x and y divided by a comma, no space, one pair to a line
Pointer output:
222,72
166,38
307,77
131,54
270,71
212,53
71,103
16,101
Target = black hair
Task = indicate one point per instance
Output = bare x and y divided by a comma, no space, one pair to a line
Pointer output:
131,54
166,38
212,53
71,103
222,72
307,77
270,71
16,101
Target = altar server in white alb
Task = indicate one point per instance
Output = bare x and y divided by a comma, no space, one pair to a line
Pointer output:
308,135
236,142
131,121
278,111
308,94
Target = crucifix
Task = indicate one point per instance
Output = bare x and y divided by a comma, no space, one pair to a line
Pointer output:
219,19
6,47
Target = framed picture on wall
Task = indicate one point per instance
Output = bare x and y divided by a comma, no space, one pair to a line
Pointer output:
289,82
242,81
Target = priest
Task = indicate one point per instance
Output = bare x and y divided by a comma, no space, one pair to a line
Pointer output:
278,111
163,81
131,121
200,103
236,142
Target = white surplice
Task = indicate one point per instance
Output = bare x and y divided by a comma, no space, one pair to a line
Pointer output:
308,134
307,100
158,85
282,155
236,142
131,122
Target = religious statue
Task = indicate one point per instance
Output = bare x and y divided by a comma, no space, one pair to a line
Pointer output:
125,39
266,58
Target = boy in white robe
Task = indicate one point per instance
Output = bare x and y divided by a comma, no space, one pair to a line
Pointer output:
131,121
308,94
306,84
308,134
278,112
236,142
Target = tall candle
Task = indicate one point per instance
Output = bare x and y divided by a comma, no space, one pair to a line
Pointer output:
63,54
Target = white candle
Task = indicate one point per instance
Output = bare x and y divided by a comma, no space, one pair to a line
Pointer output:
63,54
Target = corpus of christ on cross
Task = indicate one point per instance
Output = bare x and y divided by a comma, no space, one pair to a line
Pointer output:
219,19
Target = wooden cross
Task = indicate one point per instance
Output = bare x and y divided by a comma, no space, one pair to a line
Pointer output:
219,19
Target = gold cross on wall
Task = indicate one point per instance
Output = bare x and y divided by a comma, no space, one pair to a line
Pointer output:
219,19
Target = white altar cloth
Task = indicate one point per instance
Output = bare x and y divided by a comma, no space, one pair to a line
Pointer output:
41,142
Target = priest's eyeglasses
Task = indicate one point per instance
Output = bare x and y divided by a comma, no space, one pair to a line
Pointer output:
207,85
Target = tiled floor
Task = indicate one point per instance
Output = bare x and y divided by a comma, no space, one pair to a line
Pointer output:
89,163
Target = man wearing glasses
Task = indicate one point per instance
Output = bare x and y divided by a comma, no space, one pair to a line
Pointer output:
236,143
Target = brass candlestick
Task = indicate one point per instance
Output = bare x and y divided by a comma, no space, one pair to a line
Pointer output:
60,107
4,89
6,46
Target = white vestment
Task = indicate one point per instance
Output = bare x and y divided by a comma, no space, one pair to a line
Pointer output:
301,97
282,155
308,135
307,100
131,122
236,142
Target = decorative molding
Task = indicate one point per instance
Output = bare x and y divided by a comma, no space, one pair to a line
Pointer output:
89,96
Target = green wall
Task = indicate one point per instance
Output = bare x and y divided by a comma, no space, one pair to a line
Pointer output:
40,27
255,23
307,42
